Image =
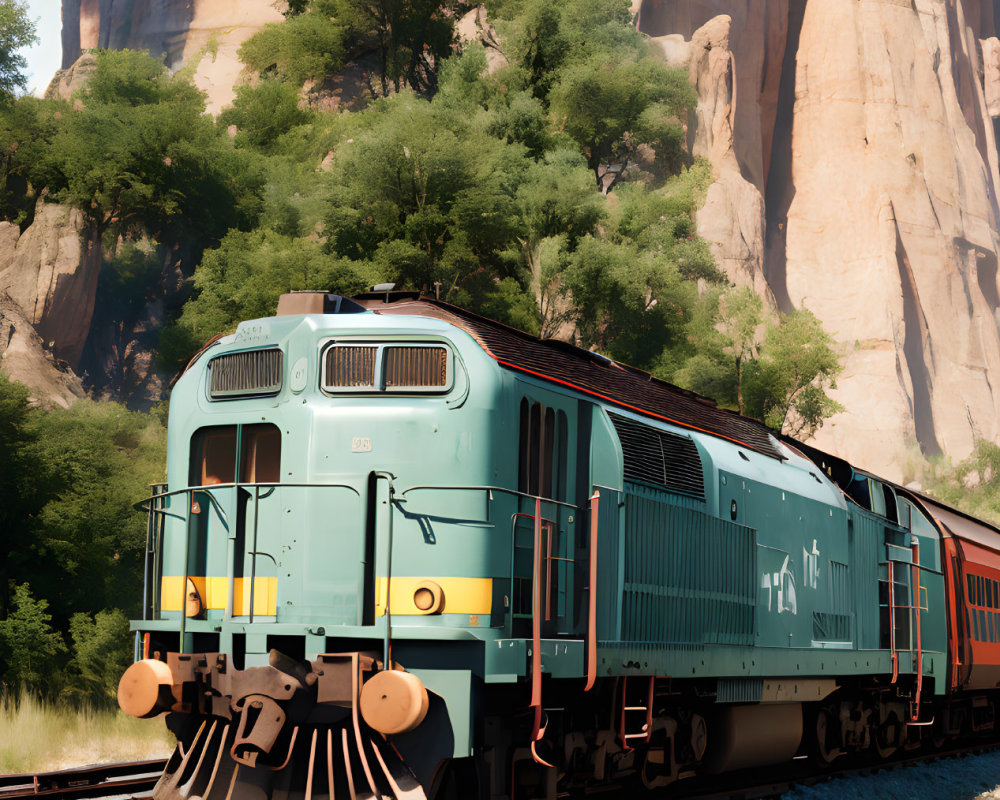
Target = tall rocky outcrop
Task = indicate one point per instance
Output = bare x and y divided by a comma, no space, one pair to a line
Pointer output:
205,32
24,358
855,154
51,270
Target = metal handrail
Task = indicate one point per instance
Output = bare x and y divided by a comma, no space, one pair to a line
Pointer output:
152,506
500,489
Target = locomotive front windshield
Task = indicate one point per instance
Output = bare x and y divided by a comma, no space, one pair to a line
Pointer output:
219,452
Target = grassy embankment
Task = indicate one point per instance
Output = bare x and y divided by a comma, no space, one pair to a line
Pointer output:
37,736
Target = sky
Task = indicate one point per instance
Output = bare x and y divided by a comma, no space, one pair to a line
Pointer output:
45,57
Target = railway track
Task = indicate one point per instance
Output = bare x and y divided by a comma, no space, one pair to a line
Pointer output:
132,779
758,784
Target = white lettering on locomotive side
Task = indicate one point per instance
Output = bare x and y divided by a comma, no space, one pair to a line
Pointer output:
810,566
780,587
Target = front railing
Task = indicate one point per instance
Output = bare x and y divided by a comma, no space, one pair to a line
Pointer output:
556,550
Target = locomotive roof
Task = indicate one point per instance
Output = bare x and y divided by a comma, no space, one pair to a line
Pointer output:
584,371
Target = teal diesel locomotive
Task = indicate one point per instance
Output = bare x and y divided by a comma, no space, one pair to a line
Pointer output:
406,551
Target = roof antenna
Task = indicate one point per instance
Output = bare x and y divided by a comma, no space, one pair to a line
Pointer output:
384,287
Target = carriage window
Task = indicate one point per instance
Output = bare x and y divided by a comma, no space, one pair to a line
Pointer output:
214,454
542,451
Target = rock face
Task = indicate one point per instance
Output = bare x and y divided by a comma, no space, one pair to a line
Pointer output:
206,32
858,142
24,359
51,272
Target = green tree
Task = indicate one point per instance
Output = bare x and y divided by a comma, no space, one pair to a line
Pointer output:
17,31
29,646
243,279
410,38
309,45
724,332
262,113
101,652
633,306
556,206
138,155
90,538
24,485
776,370
787,383
27,128
610,107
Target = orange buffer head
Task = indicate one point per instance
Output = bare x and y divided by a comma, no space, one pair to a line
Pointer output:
394,701
142,689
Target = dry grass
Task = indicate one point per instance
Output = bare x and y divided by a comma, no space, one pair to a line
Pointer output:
36,736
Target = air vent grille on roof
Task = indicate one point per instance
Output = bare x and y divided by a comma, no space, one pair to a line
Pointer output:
661,458
254,372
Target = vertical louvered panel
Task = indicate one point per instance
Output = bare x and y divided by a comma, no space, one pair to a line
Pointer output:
416,367
254,372
689,577
350,367
609,567
866,538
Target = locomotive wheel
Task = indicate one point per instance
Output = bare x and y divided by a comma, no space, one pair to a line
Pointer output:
459,780
827,728
887,736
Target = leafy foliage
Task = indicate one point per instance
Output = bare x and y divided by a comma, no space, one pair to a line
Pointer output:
29,645
264,112
24,485
102,459
973,485
777,370
101,653
309,45
17,31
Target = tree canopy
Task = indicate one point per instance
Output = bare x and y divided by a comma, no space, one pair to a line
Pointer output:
17,31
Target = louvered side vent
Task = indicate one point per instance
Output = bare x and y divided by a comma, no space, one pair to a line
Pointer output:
416,367
661,458
255,372
350,368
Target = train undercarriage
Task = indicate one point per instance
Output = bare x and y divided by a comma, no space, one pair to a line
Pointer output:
341,726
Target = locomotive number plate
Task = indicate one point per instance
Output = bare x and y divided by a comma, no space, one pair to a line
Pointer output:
361,444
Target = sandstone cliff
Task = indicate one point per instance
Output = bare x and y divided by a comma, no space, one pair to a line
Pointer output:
205,32
855,152
51,272
24,358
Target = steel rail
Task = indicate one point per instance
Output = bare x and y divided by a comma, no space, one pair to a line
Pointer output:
102,780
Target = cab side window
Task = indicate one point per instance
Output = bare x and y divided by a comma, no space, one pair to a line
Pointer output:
542,451
215,455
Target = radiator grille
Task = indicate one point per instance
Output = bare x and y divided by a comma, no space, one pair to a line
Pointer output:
689,578
655,456
350,367
254,372
409,367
